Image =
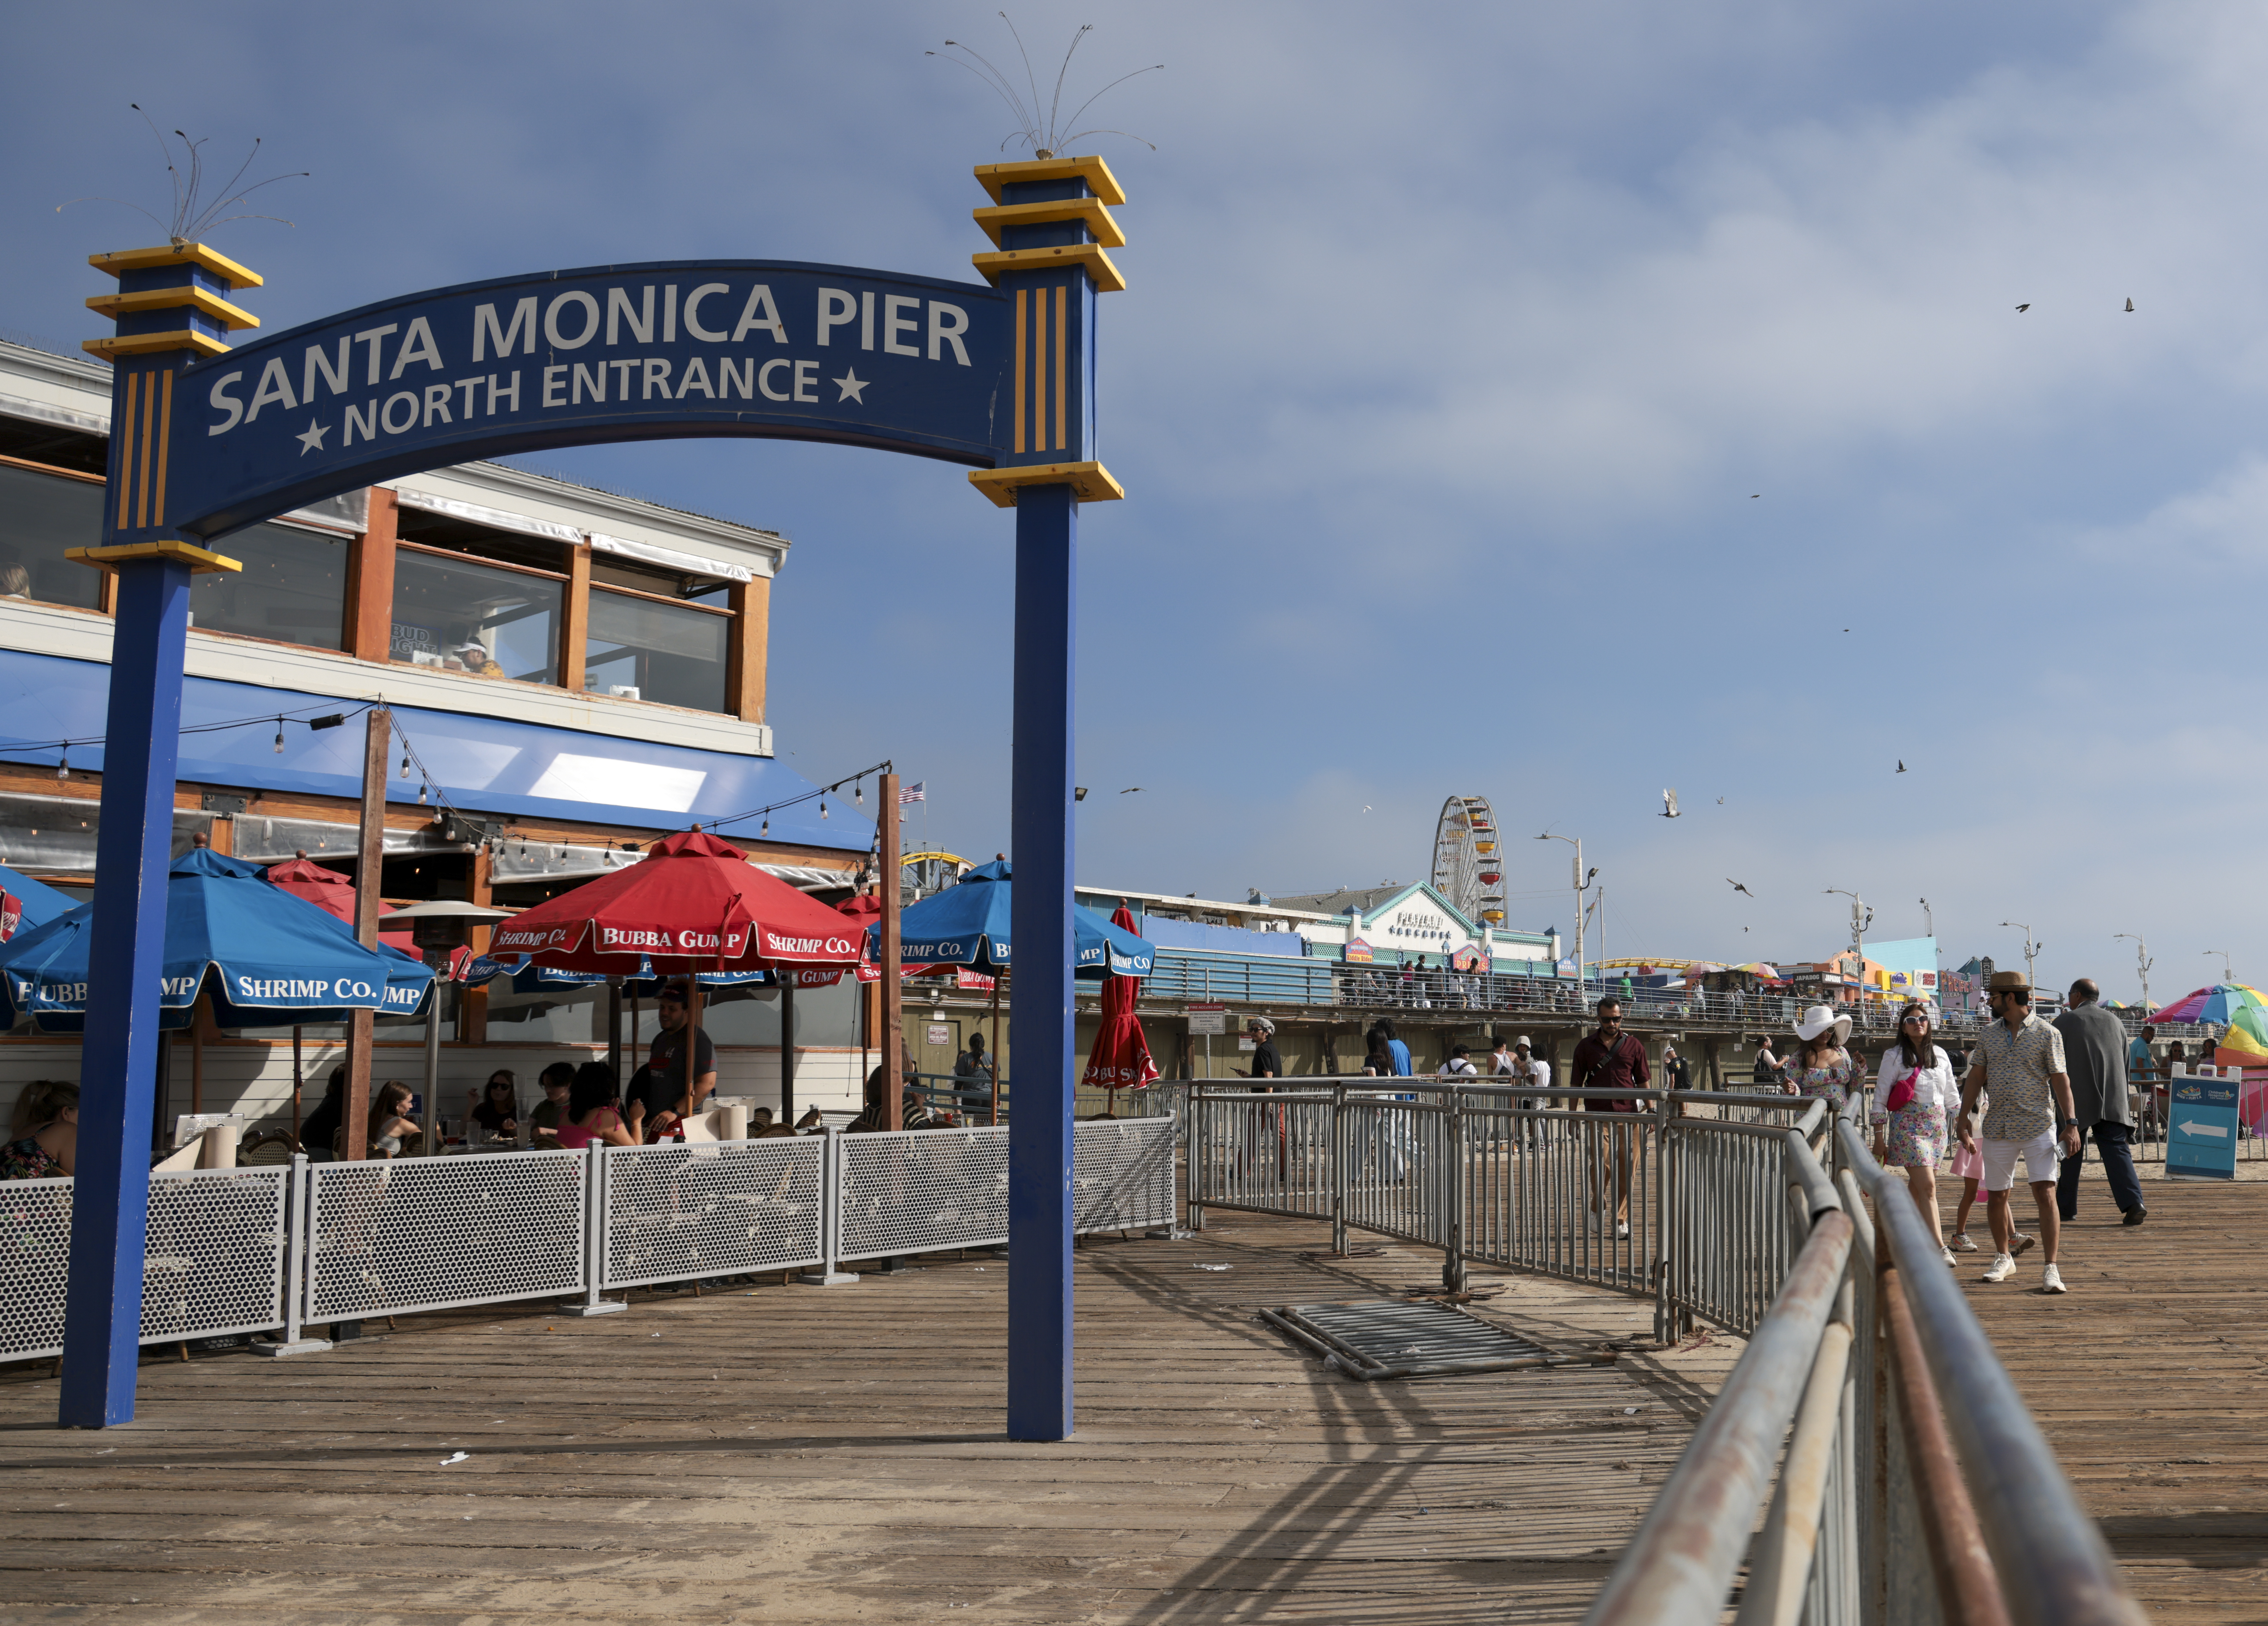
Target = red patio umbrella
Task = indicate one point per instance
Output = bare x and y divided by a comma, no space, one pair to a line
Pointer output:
334,895
696,903
1120,1058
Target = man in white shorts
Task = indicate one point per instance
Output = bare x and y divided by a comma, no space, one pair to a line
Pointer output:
2020,1059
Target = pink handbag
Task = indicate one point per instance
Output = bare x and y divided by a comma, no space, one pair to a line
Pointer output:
1902,1093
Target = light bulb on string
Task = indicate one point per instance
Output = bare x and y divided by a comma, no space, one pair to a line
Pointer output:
279,736
421,796
767,830
859,794
405,764
62,768
823,807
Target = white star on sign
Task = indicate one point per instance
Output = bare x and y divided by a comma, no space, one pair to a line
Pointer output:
851,385
312,440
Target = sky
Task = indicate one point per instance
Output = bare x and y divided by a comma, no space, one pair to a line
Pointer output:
1556,404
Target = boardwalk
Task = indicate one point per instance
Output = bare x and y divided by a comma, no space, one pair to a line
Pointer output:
808,1454
2151,1379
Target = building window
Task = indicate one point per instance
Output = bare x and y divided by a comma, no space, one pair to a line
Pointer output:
292,588
41,515
452,613
647,649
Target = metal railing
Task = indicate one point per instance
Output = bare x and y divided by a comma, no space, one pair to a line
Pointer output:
235,1251
1898,1474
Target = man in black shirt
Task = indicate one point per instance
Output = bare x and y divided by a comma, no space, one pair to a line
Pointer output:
1266,1064
668,1099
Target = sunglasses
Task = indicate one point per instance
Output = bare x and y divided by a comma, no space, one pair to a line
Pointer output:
1915,1017
2014,995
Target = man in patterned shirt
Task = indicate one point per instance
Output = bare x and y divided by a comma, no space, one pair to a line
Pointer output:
2018,1059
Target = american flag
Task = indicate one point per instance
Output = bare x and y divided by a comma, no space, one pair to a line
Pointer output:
917,792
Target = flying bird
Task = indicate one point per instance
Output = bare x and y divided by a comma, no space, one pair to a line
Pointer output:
1753,496
2130,304
1902,764
1129,789
1670,805
2023,307
1736,887
1365,807
1721,801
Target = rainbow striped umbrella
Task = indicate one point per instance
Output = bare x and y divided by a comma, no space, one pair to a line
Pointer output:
2219,1002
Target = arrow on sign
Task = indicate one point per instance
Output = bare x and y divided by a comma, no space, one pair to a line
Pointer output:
2216,1131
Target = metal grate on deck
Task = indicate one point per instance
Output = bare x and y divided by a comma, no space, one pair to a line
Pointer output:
1375,1338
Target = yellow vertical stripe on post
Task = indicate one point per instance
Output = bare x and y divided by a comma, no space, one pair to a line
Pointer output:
142,483
1063,377
126,453
164,440
1039,372
1019,445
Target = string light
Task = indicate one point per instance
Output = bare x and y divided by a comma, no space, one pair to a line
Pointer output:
279,736
405,761
421,796
63,769
767,830
823,807
859,794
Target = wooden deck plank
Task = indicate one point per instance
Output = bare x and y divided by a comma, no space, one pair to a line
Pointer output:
804,1455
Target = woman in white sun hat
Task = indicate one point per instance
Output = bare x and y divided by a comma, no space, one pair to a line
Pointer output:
1821,1069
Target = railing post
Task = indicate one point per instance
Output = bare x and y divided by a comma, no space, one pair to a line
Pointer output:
830,1216
1339,1154
1451,1193
1666,1249
595,1185
1200,1154
298,1263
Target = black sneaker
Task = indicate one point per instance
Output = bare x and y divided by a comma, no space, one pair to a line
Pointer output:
2136,1215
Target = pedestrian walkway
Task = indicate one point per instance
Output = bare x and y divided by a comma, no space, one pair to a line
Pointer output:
2151,1380
807,1455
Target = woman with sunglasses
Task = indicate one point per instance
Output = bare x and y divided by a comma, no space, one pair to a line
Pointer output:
1914,1099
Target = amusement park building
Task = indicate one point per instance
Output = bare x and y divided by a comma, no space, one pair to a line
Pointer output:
574,673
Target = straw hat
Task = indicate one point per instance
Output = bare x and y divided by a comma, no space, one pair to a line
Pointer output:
1817,1019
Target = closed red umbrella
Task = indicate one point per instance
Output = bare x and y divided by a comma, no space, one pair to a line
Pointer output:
334,895
1120,1058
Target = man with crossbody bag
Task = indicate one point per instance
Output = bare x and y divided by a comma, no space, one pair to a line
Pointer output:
1610,1058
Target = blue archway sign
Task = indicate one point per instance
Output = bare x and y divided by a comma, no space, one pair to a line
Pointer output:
207,438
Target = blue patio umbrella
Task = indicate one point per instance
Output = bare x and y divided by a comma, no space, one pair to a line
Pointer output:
270,959
967,925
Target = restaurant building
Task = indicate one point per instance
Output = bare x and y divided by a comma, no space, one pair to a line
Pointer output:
570,673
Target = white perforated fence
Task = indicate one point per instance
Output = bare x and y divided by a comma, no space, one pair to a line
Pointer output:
710,1208
1122,1174
213,1263
434,1234
915,1191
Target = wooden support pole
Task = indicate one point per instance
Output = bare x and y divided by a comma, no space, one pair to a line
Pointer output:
892,1039
378,738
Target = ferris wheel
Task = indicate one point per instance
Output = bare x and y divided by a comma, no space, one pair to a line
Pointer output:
1468,862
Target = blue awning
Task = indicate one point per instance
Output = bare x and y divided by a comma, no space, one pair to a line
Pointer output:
484,764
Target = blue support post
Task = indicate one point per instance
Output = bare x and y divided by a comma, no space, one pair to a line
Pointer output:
102,1325
1040,1016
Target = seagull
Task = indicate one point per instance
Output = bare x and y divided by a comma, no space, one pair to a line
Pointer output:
1129,789
1753,496
1902,764
1365,807
1670,805
1721,801
2130,304
2023,307
1736,887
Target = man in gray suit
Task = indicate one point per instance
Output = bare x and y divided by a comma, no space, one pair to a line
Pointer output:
2094,1045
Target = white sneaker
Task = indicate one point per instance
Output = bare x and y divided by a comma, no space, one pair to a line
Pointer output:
2051,1280
1622,1227
2003,1266
1962,1244
1949,1259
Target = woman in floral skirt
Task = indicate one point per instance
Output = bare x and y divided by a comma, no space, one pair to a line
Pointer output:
1821,1067
1915,1102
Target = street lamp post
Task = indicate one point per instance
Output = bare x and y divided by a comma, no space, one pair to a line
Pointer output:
2142,964
1936,960
2031,951
1581,881
2227,975
1861,917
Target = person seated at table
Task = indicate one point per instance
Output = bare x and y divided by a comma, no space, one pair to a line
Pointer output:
318,1130
558,1081
812,1119
873,1112
498,1115
972,1075
44,1141
592,1115
392,1132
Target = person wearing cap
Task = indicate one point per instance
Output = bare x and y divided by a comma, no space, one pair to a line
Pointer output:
1459,1064
1530,1071
473,656
1266,1064
669,1098
2020,1059
1821,1069
2094,1045
1612,1059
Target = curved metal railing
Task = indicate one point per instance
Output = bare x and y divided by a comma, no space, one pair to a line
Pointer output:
1901,1447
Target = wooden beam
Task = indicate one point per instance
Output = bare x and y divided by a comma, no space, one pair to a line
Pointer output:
377,737
747,648
575,618
370,581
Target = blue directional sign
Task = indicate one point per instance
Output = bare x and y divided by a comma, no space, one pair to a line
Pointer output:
730,347
2201,1128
